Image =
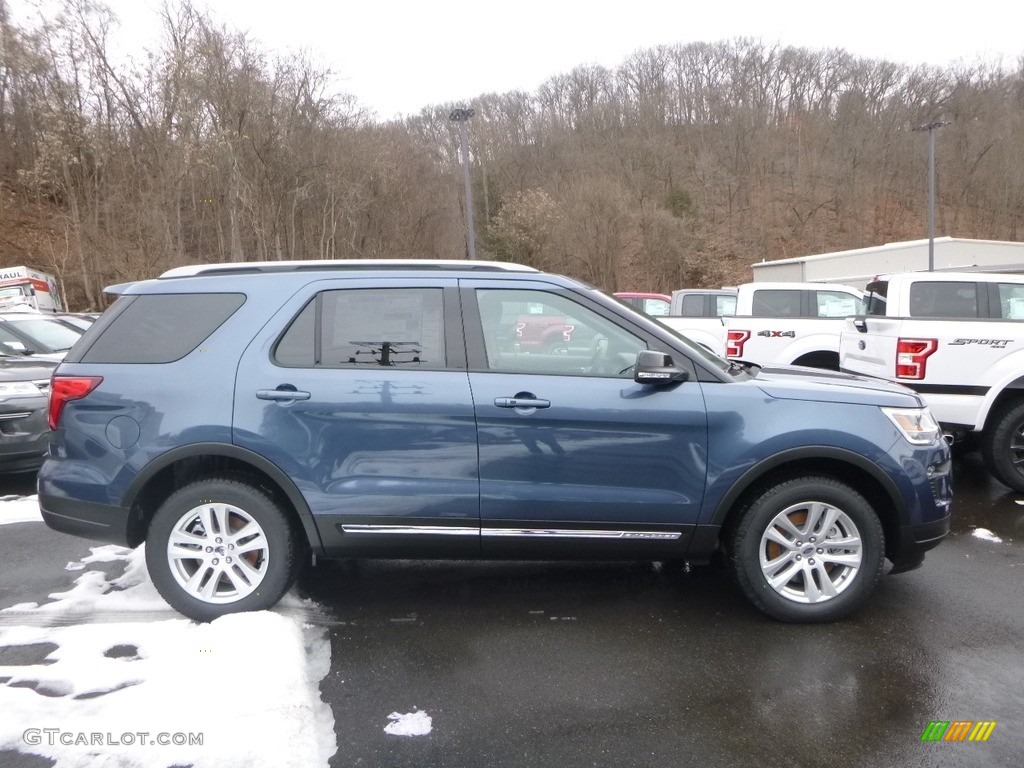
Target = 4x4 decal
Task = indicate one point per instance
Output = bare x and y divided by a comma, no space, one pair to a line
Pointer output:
778,334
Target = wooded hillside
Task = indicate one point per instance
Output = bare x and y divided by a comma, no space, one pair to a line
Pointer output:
681,167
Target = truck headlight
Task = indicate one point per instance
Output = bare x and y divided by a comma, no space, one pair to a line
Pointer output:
18,389
916,424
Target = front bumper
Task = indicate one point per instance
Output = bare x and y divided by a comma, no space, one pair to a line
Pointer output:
24,434
916,541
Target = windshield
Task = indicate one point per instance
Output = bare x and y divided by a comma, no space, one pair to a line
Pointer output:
49,335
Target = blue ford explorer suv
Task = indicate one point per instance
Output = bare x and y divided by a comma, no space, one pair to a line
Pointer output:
242,418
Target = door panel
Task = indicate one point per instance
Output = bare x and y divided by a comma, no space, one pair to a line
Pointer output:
380,437
575,456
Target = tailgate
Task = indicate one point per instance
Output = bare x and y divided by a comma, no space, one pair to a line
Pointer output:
868,346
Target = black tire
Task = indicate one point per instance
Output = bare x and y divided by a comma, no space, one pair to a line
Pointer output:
812,570
246,561
1002,445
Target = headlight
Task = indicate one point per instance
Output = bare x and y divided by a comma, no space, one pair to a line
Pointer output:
915,424
18,389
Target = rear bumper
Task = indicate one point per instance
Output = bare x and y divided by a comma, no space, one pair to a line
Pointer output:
101,522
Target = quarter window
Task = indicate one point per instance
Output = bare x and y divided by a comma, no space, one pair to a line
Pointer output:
159,328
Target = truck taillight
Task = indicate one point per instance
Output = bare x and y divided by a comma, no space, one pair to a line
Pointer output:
64,389
912,356
734,343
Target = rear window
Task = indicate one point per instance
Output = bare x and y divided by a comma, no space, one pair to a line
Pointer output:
160,328
876,298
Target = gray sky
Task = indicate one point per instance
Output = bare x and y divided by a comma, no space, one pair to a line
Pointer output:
398,56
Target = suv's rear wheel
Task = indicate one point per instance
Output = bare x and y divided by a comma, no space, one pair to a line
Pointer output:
810,549
220,546
1003,446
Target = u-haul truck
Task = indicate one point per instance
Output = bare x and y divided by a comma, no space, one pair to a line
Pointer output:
24,288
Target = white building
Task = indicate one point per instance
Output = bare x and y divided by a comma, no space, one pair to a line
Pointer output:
857,267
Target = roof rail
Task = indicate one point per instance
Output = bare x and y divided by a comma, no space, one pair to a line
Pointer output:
256,267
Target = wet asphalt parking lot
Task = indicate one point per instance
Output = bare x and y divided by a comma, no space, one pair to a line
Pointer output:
643,664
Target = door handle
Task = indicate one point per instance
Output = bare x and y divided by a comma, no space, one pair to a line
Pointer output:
521,402
284,393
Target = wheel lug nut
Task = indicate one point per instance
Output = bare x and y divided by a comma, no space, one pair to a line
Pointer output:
813,539
215,561
799,543
231,546
821,551
798,557
227,560
220,540
811,561
209,549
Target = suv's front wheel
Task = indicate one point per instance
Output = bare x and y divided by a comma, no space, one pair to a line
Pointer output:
220,546
809,549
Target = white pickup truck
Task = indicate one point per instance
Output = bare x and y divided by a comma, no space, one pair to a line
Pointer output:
778,324
958,340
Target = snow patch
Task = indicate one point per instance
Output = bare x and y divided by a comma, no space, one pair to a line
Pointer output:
246,684
409,724
130,592
986,534
20,509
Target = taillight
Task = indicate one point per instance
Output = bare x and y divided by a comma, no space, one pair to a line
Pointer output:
64,389
734,343
912,356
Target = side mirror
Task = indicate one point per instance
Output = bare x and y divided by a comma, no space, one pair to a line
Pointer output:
657,368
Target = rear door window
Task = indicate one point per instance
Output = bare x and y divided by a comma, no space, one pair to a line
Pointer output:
392,327
776,303
944,299
693,306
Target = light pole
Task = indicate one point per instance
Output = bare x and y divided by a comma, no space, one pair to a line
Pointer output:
460,116
930,127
